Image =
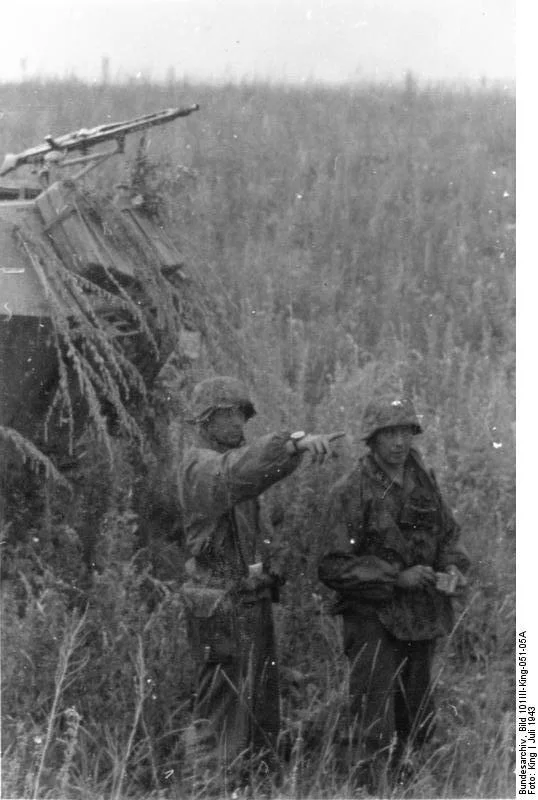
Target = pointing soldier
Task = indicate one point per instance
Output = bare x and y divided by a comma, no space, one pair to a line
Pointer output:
231,582
394,560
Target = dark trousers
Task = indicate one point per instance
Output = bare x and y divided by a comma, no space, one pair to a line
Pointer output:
390,686
236,714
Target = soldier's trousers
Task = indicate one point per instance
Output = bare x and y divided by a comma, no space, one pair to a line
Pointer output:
236,715
390,686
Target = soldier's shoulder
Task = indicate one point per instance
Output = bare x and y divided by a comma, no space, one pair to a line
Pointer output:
423,467
189,453
419,463
194,455
417,456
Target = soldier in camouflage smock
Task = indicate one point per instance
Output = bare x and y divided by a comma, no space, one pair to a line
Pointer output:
232,582
395,560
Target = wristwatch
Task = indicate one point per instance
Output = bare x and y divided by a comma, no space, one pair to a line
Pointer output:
295,438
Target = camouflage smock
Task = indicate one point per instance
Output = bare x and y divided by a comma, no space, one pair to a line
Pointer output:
218,493
235,716
377,528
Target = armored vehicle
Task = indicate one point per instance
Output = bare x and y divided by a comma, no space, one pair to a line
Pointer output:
92,299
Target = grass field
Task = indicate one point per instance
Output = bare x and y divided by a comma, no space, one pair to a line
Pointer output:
342,241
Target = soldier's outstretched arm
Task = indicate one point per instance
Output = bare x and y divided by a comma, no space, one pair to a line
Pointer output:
217,481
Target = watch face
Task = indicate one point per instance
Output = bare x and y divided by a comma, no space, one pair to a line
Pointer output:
298,435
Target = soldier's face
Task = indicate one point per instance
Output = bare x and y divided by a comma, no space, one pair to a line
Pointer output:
227,426
392,445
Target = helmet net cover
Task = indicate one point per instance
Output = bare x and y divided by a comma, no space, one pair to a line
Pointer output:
217,393
388,412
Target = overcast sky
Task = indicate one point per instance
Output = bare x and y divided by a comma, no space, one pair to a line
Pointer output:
330,40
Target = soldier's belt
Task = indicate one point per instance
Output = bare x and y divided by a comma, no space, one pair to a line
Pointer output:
205,602
250,596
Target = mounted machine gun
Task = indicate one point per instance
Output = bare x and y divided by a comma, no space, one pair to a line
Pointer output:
56,149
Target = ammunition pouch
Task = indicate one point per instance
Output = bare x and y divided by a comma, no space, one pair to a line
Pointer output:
420,511
211,623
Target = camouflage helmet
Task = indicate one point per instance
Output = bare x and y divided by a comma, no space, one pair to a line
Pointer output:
386,412
221,392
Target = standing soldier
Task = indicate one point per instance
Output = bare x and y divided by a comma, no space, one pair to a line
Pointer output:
231,584
395,560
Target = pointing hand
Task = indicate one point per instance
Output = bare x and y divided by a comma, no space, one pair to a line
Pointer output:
319,445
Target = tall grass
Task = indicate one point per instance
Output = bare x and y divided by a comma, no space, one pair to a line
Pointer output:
340,241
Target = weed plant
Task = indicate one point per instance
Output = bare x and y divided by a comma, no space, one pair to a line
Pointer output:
340,241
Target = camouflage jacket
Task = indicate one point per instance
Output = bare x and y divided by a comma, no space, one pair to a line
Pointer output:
219,497
376,529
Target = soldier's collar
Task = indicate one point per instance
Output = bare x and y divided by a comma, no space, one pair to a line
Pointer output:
376,471
394,479
212,444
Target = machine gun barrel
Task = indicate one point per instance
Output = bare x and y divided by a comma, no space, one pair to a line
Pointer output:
86,138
